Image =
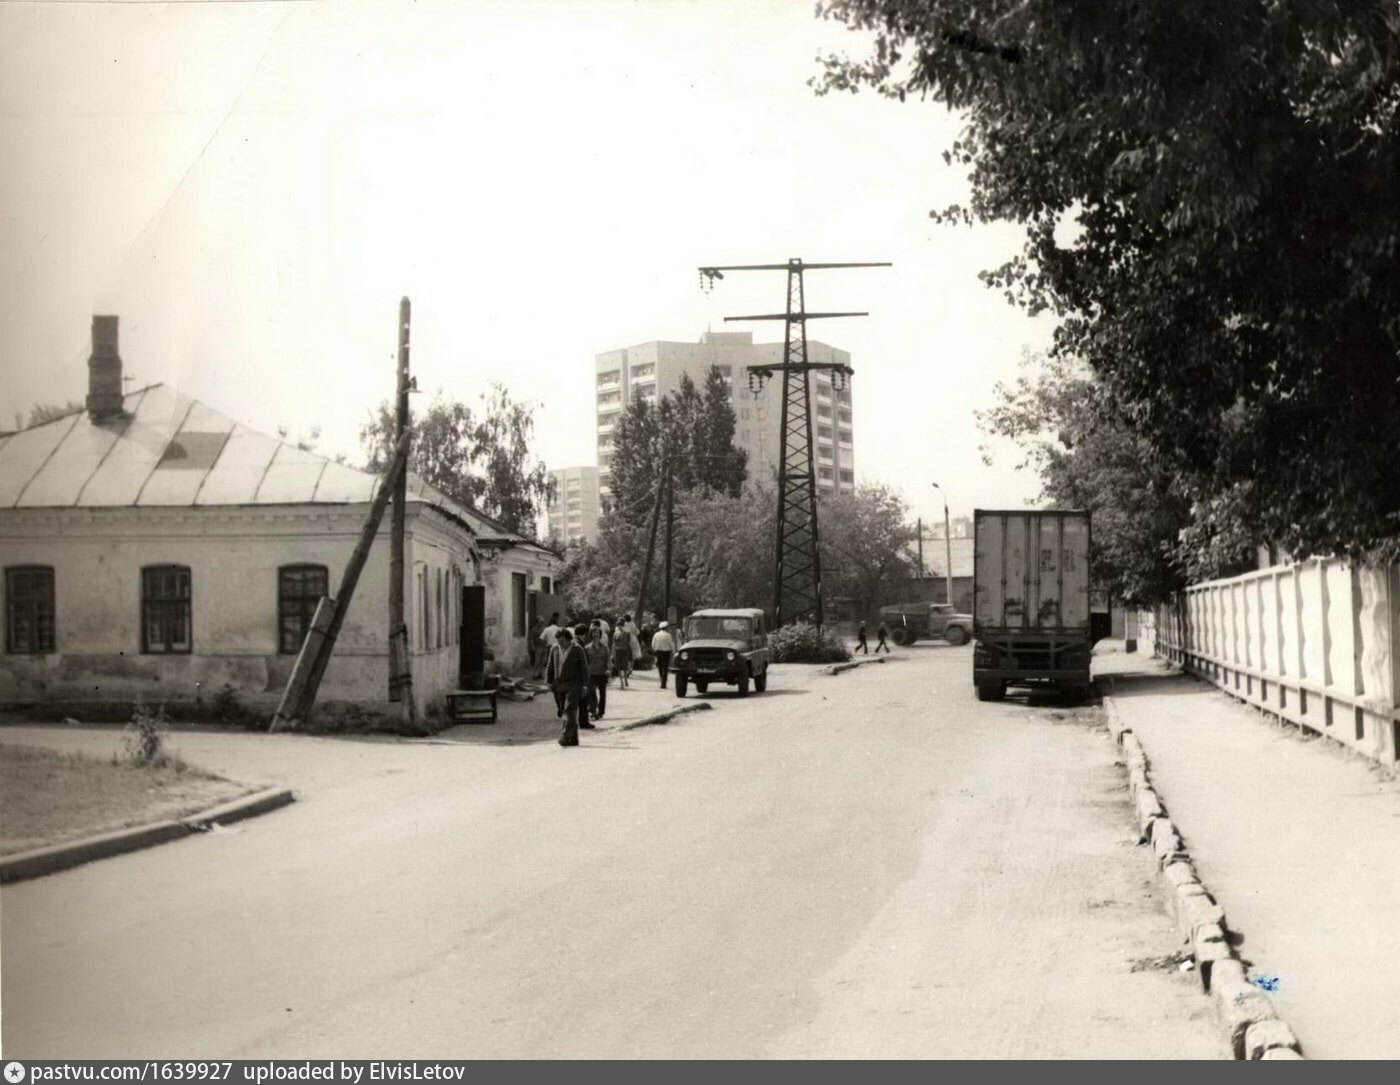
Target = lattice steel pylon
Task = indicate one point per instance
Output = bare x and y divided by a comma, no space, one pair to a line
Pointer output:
797,579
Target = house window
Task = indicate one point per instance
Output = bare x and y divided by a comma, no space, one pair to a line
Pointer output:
299,589
545,585
29,610
165,610
517,601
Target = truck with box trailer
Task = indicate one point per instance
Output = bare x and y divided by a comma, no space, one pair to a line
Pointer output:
1030,610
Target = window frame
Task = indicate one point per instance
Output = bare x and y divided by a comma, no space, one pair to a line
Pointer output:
283,601
167,604
46,596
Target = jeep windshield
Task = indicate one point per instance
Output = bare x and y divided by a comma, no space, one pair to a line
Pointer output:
719,628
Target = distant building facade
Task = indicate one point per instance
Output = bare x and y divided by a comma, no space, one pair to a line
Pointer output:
654,370
573,512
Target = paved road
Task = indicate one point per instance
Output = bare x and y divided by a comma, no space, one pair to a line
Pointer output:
868,865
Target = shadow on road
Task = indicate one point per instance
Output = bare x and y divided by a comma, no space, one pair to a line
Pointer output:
1147,685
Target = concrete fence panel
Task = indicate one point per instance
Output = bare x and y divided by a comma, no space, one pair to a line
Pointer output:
1313,642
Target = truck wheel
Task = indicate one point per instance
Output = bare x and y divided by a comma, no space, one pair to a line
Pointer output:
991,691
900,636
955,635
680,685
744,684
760,681
701,687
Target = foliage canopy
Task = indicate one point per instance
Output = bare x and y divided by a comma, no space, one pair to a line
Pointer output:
479,458
695,427
1208,193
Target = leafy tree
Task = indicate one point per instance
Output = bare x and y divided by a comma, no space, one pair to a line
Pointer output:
696,427
864,539
723,555
1089,457
1208,197
479,458
728,542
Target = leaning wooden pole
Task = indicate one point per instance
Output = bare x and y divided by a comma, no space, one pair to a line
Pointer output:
299,697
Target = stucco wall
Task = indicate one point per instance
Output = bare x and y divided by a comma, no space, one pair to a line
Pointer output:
511,650
234,555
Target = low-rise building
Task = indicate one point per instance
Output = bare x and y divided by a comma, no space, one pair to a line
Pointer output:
156,550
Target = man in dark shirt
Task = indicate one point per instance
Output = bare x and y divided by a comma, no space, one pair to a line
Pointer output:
572,680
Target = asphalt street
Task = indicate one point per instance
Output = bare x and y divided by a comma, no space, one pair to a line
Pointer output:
867,865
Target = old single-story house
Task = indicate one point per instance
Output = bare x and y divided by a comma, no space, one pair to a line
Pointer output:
155,549
519,575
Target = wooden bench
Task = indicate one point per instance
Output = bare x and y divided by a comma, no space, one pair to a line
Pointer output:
472,705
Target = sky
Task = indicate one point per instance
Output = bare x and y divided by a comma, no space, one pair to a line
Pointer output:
252,186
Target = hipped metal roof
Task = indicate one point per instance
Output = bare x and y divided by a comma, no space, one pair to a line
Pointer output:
168,450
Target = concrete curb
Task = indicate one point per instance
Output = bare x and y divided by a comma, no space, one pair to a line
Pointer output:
58,857
664,717
851,664
1250,1026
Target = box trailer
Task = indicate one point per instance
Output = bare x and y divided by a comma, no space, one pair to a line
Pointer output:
1030,609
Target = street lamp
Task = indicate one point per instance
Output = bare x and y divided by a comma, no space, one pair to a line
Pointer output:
947,542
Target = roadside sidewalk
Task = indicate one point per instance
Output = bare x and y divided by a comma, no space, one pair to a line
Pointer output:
1297,838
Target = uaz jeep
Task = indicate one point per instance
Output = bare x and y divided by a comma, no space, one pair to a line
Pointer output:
729,646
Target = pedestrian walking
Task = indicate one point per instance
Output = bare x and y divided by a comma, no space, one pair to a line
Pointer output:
883,634
622,654
583,633
554,662
662,646
862,645
598,659
572,680
533,645
549,634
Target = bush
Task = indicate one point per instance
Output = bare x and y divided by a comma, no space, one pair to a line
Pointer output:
800,642
143,744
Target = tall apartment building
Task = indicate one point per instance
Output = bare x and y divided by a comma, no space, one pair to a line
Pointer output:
655,369
573,514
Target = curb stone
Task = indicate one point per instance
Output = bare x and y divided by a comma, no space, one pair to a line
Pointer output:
664,717
851,664
1251,1028
54,858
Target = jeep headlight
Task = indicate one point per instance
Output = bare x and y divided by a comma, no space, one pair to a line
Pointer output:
685,655
730,656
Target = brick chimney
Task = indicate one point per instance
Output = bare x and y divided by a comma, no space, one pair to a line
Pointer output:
104,399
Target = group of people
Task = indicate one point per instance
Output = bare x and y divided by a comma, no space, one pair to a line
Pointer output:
579,659
863,644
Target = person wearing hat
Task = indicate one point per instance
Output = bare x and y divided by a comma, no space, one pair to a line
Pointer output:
662,646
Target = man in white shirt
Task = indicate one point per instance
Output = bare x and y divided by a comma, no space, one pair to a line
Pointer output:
549,635
662,646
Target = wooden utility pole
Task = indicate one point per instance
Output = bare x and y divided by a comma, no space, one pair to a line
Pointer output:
651,537
299,698
400,660
922,567
670,531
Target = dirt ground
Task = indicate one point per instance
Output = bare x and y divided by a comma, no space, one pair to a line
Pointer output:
47,796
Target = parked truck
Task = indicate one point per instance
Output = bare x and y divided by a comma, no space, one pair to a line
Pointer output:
907,622
1030,601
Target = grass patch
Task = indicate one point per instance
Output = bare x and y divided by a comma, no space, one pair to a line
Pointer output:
47,797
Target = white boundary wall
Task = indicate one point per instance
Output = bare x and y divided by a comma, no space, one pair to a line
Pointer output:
1313,642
